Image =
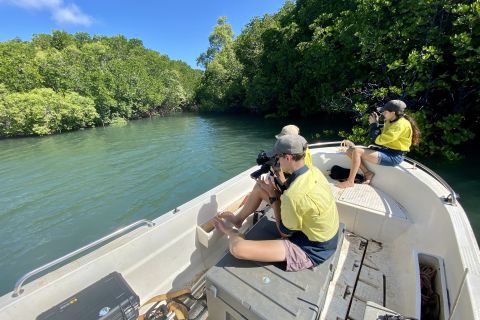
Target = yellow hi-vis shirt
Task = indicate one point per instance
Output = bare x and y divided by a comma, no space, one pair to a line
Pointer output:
396,135
308,158
308,206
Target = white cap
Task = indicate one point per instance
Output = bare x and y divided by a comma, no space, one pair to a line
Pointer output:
290,129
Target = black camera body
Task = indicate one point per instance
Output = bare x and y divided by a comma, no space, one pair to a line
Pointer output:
265,162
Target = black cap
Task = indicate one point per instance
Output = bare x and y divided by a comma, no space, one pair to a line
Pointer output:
393,106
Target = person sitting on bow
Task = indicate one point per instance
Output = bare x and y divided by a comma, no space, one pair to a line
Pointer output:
394,140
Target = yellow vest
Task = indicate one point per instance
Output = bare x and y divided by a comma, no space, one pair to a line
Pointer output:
308,206
396,135
308,158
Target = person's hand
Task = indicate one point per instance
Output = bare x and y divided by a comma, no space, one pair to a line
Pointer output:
282,235
223,226
230,217
373,117
267,183
281,177
278,172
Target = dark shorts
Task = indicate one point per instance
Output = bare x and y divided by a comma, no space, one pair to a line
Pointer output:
390,157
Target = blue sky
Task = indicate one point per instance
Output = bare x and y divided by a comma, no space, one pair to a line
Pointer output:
178,28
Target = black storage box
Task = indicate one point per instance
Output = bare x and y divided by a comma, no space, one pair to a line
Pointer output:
241,289
110,298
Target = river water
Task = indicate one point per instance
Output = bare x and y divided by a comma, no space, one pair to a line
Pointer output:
61,192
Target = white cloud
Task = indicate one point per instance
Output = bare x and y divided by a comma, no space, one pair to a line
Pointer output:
61,12
71,14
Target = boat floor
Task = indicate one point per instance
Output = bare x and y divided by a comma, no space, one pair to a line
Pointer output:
360,276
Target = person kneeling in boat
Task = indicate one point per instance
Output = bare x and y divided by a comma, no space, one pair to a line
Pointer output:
290,129
394,140
306,214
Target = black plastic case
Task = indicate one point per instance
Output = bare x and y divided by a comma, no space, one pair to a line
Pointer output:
110,298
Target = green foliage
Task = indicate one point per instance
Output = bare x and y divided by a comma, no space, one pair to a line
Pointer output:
118,122
359,134
121,77
221,36
18,70
42,111
221,87
342,56
441,136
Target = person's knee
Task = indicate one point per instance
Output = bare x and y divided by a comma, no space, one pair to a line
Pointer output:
357,152
258,191
349,152
237,250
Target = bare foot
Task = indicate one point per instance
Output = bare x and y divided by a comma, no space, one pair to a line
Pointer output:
344,184
230,217
368,177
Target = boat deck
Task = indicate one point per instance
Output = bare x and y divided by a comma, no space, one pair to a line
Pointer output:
361,276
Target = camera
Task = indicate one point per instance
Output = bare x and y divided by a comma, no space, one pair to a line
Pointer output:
265,162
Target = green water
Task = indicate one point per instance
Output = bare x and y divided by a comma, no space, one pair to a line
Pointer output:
61,192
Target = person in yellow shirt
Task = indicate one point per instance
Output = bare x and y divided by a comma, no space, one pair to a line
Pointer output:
293,129
305,213
290,129
394,140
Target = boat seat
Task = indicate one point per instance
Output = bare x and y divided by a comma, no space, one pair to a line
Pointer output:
242,289
370,212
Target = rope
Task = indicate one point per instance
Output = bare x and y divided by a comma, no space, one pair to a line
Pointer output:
430,299
172,305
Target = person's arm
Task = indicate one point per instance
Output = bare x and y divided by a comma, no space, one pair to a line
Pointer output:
275,204
274,200
284,233
374,130
374,127
278,172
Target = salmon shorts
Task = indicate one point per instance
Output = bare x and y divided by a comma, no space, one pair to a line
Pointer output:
295,257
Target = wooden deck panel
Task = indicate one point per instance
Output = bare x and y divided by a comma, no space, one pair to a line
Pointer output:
370,285
341,288
360,277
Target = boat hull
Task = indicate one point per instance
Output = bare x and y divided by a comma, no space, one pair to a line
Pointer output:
414,221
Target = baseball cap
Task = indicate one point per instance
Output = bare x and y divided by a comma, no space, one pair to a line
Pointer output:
288,130
393,105
290,144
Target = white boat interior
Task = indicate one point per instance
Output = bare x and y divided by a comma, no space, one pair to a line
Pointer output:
407,220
